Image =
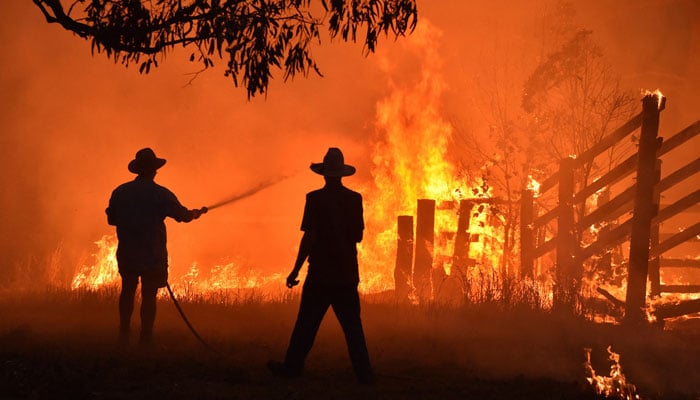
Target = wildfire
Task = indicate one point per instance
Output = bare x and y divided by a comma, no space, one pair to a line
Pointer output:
104,271
411,162
230,276
615,385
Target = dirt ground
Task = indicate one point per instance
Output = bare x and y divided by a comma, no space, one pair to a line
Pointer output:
57,344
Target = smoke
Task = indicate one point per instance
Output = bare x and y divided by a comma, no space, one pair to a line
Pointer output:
71,123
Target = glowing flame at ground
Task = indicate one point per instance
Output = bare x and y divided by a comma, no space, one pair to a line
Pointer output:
104,271
229,276
614,386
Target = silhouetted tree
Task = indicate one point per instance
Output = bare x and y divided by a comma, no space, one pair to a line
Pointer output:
254,35
571,98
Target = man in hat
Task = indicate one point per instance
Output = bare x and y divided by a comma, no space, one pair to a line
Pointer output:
332,226
138,209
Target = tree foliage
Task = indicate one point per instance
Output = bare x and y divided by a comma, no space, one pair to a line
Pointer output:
254,36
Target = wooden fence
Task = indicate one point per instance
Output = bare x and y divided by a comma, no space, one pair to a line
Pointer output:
641,198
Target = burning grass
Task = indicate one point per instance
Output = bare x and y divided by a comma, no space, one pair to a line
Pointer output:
61,344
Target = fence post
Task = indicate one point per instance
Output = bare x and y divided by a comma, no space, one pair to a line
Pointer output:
404,257
527,237
643,212
655,263
605,262
425,239
462,237
565,286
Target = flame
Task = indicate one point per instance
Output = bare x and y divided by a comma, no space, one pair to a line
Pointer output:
657,93
534,185
221,278
615,385
411,162
104,271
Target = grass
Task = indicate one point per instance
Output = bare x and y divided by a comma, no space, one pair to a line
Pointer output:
56,343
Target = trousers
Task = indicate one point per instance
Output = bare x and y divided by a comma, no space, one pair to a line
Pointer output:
315,301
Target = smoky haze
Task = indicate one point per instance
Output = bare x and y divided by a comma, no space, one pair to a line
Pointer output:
71,122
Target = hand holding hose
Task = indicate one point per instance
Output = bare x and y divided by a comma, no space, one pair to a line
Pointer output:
196,213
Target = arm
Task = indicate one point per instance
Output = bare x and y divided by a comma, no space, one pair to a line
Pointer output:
112,210
190,215
178,212
304,250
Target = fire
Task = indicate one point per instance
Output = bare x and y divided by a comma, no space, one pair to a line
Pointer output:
533,185
411,162
657,93
231,276
615,385
104,272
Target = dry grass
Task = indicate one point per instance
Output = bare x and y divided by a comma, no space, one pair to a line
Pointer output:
61,344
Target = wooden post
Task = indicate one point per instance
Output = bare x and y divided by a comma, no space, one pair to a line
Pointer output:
605,262
425,238
643,212
462,238
527,237
654,263
565,286
404,257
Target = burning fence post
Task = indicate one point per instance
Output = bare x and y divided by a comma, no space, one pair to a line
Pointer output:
425,238
643,211
565,289
404,256
605,262
460,258
527,237
655,262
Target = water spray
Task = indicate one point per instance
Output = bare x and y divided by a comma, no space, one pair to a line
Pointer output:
230,200
247,193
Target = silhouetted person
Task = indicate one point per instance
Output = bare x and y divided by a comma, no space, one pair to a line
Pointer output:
138,209
332,226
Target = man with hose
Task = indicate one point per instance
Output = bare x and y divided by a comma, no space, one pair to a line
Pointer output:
138,209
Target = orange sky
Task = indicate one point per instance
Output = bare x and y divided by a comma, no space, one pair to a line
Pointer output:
71,122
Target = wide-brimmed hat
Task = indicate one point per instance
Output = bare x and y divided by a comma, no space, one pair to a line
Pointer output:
145,161
333,164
